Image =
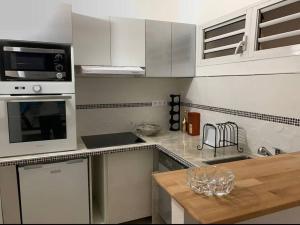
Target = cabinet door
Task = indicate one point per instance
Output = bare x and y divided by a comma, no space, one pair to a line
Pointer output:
225,40
35,20
91,40
55,193
183,50
158,49
127,42
10,202
276,31
129,186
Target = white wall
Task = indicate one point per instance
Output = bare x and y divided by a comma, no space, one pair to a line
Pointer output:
189,11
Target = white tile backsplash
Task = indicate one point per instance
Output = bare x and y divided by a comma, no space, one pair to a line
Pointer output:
122,90
272,95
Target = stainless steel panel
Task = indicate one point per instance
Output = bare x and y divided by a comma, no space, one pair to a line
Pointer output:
36,75
158,49
183,50
35,97
33,50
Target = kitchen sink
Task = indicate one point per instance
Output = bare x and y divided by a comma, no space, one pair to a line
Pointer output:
227,160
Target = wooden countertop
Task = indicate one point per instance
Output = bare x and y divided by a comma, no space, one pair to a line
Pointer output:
263,186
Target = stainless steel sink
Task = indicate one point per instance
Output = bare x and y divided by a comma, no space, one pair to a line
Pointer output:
227,160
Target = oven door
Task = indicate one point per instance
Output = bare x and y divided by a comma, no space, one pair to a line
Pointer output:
37,124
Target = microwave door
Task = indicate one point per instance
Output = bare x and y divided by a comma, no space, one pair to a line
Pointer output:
35,64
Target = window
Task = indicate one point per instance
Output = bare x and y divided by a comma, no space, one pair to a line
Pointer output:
279,25
223,39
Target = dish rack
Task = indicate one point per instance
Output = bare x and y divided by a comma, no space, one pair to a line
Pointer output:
221,135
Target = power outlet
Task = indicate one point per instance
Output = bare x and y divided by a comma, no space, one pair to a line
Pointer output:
159,103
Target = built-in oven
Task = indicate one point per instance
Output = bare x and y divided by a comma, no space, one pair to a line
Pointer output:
25,64
33,124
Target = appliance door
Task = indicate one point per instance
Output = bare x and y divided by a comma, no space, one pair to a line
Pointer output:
55,193
33,62
37,124
166,163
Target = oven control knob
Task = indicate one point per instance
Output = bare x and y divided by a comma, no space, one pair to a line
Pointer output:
59,68
37,88
59,76
58,58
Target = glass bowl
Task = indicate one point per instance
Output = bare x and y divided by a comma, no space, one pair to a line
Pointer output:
211,181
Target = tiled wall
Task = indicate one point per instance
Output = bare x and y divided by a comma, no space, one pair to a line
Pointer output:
109,105
266,107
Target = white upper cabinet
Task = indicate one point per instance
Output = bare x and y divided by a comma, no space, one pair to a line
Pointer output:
35,20
276,32
262,39
225,40
183,50
127,42
91,40
158,49
170,49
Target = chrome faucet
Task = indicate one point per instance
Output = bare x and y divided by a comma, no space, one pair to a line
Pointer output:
264,151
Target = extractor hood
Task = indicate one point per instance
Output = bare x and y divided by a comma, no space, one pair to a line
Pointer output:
112,70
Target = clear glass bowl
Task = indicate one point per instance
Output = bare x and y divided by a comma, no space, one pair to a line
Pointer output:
211,181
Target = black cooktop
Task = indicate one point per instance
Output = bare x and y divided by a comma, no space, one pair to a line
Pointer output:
110,140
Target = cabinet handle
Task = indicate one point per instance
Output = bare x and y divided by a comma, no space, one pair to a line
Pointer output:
242,45
55,171
75,161
33,167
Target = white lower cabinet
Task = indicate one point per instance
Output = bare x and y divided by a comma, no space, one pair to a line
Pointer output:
123,186
55,193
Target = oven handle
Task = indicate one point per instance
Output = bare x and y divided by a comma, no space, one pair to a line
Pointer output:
39,97
33,50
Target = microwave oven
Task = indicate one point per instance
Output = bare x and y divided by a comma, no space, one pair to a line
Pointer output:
36,68
34,124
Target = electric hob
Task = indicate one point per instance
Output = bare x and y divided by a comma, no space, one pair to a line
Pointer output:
110,140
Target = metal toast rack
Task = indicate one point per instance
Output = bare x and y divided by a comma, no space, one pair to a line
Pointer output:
221,135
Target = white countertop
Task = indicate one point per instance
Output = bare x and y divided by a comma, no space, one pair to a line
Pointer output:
179,144
185,146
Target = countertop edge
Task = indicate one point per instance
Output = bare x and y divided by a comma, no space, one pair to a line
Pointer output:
83,152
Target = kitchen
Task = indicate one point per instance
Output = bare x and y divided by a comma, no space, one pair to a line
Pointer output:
114,66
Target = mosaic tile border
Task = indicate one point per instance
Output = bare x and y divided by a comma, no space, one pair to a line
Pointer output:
114,106
85,153
252,115
70,155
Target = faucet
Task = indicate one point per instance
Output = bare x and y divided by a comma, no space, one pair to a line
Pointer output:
264,151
